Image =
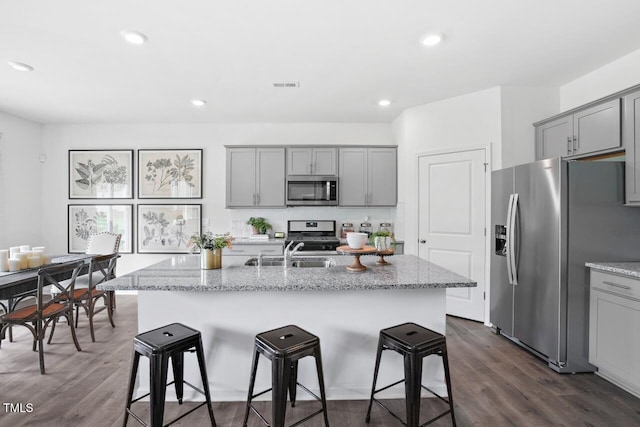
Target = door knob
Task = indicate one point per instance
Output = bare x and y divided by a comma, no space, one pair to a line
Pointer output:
422,241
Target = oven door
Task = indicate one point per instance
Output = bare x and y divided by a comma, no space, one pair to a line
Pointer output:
312,191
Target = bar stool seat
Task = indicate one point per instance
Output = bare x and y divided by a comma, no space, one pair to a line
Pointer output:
414,343
284,347
160,345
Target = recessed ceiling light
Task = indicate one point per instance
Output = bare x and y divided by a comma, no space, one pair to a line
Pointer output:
384,103
432,39
199,102
20,66
134,37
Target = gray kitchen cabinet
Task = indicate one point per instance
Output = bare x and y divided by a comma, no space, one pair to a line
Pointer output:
631,139
584,132
614,339
311,161
254,249
554,138
367,176
255,177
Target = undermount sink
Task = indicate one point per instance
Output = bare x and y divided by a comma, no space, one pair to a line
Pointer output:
296,262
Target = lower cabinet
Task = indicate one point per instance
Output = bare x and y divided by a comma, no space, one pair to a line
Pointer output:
614,329
254,249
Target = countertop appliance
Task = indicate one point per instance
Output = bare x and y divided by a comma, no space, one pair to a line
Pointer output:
316,235
309,190
548,218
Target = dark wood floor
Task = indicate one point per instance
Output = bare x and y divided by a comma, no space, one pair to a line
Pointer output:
495,384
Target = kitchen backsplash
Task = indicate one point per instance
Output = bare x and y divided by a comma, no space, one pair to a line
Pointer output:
278,217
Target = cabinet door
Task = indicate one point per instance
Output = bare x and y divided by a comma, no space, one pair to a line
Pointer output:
324,161
352,177
241,177
597,128
555,138
382,177
614,342
631,138
299,161
270,187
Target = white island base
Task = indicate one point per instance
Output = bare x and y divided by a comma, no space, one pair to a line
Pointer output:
347,322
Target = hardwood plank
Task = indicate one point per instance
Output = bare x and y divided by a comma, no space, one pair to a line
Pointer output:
495,383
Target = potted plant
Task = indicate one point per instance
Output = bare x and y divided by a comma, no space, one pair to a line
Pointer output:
383,240
210,246
259,224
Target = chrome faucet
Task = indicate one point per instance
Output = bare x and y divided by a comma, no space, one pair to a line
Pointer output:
288,253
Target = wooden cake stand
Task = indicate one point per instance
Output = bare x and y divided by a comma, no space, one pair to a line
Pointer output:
356,266
382,254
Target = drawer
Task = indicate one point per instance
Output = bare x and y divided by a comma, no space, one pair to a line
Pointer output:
253,250
615,284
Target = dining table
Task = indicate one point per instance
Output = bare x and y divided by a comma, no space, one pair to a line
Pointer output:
15,285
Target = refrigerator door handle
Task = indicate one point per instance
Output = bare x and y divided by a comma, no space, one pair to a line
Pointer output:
512,239
508,243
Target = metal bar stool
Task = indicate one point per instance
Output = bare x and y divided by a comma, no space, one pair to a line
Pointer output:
284,347
414,343
170,341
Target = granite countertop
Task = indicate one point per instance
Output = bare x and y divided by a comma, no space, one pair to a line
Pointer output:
625,268
183,273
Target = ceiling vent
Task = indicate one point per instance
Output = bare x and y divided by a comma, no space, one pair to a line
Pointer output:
286,84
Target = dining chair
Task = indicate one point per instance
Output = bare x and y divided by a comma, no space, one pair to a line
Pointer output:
102,244
85,295
38,316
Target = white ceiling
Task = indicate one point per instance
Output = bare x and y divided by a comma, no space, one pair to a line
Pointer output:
346,54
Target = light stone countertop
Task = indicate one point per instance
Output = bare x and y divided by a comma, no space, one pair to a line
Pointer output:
183,273
631,269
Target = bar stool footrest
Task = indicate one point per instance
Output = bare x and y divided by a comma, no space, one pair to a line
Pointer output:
315,396
180,403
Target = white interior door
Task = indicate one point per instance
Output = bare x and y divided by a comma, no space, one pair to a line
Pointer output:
452,223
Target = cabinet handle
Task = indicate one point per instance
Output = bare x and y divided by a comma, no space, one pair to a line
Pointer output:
423,241
568,145
258,199
576,144
615,285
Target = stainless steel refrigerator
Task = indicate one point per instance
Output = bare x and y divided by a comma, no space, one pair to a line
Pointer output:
549,218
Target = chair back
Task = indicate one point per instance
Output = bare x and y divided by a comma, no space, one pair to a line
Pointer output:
58,277
103,243
106,265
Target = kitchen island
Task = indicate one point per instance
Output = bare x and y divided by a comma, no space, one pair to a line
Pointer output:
346,310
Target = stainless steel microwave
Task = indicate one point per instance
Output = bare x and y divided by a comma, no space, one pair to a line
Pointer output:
305,190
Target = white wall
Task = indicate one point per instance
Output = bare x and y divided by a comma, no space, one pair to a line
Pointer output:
470,120
520,108
21,208
613,77
58,139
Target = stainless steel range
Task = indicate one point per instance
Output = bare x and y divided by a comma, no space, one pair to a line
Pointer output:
316,235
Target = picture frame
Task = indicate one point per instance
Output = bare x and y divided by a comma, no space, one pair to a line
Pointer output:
100,174
167,228
84,220
170,174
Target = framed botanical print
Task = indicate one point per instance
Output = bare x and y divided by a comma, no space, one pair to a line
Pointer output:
100,174
167,228
85,220
170,174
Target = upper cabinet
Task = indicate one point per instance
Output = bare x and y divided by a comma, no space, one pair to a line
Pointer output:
584,132
311,161
255,177
631,138
367,176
